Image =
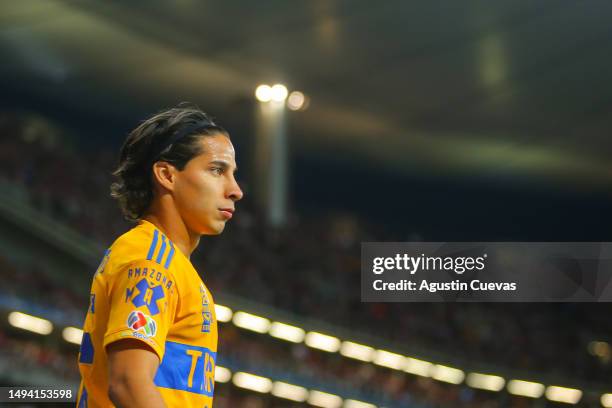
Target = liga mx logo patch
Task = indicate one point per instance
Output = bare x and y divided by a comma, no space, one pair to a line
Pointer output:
139,321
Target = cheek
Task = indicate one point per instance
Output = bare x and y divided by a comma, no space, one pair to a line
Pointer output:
198,193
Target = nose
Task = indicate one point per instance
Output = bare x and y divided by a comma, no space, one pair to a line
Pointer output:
234,192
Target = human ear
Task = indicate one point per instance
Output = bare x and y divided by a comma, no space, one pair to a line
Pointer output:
164,175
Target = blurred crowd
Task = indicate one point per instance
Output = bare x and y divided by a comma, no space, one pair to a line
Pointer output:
344,376
31,356
311,268
282,361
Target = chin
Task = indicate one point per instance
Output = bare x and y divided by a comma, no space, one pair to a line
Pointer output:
214,229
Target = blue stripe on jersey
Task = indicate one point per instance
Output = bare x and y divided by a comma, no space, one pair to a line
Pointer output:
187,368
153,245
170,255
83,400
162,249
87,350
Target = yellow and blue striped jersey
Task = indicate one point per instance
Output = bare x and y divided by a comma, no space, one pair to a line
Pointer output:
146,289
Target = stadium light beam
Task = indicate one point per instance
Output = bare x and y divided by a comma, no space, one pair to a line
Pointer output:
606,400
263,93
72,335
324,400
279,92
289,391
287,332
296,101
525,388
222,374
390,360
252,382
350,403
485,381
224,313
418,367
600,349
356,351
447,374
562,394
322,342
251,322
30,323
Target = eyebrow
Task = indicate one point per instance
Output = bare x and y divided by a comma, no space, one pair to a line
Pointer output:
224,164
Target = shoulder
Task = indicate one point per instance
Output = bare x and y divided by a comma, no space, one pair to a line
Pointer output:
142,244
142,259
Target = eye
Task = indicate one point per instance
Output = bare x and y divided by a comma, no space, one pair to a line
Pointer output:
217,170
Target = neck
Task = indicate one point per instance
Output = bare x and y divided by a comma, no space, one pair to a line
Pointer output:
168,221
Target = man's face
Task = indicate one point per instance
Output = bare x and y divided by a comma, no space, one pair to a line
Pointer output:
206,190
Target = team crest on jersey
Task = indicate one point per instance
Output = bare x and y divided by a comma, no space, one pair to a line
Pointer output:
140,322
146,296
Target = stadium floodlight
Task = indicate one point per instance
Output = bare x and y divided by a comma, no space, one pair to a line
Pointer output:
418,367
525,388
224,313
252,382
72,335
606,400
485,381
296,100
289,391
447,374
263,93
30,323
391,360
324,400
562,394
222,374
350,403
322,341
251,322
356,351
279,92
600,349
287,332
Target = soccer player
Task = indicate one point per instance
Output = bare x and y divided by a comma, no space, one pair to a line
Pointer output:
150,334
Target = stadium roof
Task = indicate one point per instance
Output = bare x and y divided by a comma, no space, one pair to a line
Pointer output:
508,87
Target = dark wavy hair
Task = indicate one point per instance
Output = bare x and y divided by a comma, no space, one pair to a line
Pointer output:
171,136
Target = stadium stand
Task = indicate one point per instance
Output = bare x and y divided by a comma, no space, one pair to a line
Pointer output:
309,270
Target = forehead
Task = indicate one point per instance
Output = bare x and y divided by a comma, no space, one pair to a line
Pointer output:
218,147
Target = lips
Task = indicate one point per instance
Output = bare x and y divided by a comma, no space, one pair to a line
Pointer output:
227,213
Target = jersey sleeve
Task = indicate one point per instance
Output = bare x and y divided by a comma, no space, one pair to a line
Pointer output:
142,300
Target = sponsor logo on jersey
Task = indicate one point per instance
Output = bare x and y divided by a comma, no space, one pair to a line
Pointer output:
139,321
